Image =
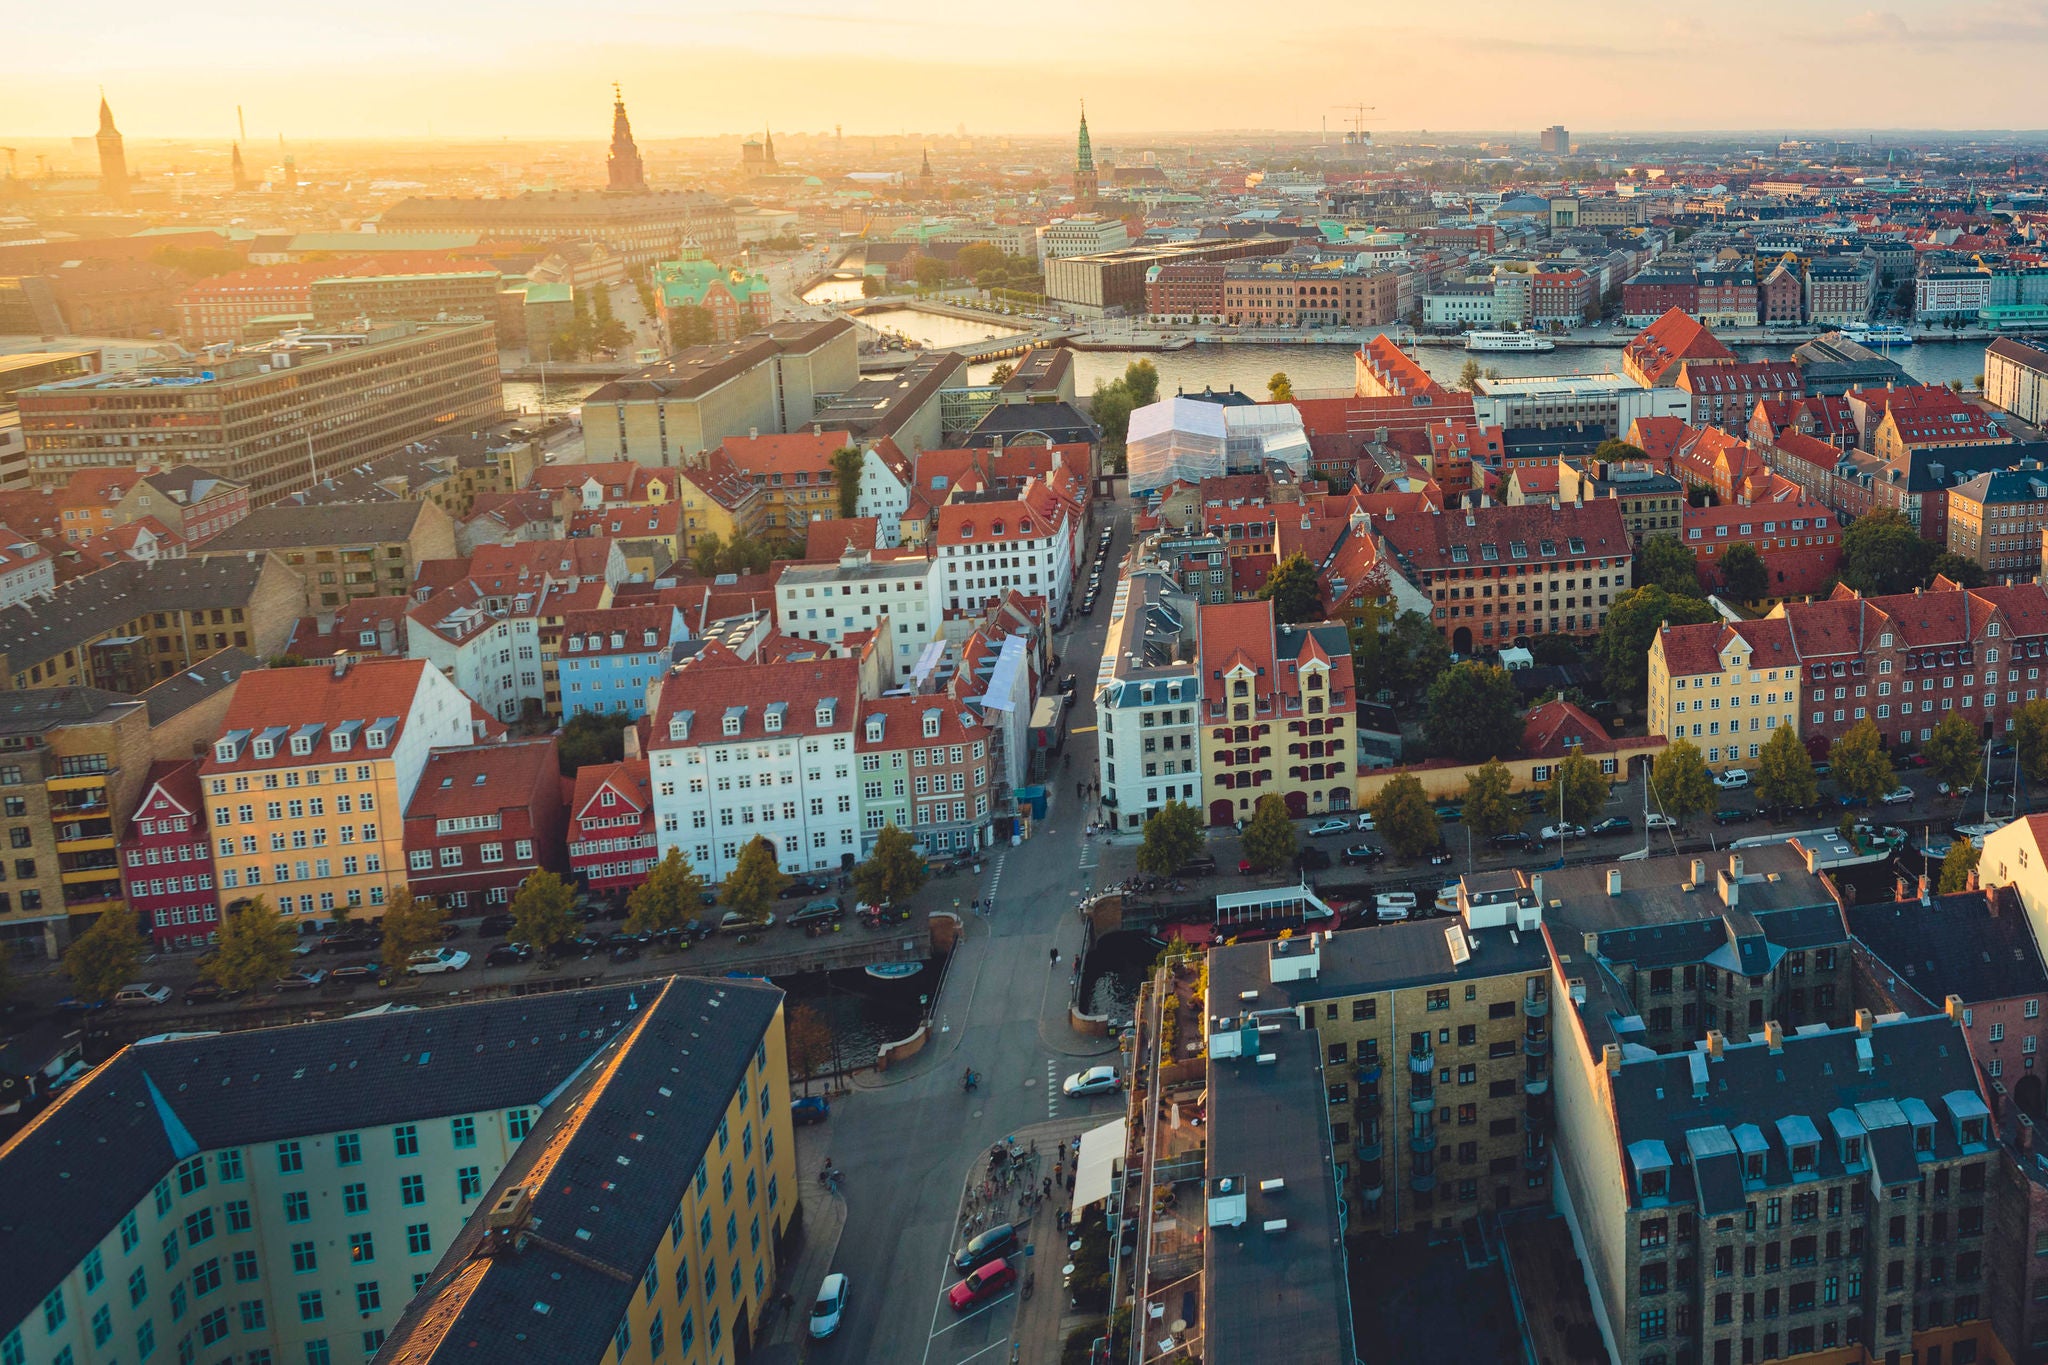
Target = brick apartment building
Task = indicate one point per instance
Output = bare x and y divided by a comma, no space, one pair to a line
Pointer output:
1998,519
482,819
167,861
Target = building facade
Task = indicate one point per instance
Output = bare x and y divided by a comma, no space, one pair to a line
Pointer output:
167,859
1277,713
1148,696
610,658
612,842
925,767
483,818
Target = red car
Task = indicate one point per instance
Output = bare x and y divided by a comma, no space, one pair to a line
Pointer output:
985,1283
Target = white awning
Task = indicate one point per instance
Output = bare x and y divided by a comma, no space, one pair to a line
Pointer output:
1095,1168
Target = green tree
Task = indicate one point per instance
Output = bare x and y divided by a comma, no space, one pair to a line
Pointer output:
1632,623
755,882
1862,767
707,554
1616,451
1953,752
2030,734
1662,559
1404,817
846,466
1490,804
1883,553
1002,374
668,899
1470,377
543,912
1110,407
254,950
1173,836
1579,785
1784,772
1293,589
411,924
1680,782
590,738
1141,382
102,960
1964,573
807,1037
893,872
1412,656
691,324
871,286
930,272
1279,388
1743,575
1474,713
1957,865
1269,837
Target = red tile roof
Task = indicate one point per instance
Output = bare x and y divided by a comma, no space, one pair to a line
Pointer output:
1427,542
1675,337
903,722
811,452
716,683
1232,632
827,540
271,698
628,779
985,523
482,779
630,619
1557,727
628,523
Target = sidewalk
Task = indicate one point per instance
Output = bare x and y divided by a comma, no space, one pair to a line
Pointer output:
1043,1319
785,1336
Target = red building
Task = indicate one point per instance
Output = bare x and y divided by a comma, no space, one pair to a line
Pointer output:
1725,395
611,826
1800,542
1781,299
165,862
1561,295
1190,290
482,819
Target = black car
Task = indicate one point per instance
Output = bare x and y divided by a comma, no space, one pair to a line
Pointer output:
999,1240
1069,683
353,971
827,911
350,940
1512,839
206,993
805,886
627,951
300,981
1613,824
494,926
1732,816
508,955
1196,867
1363,853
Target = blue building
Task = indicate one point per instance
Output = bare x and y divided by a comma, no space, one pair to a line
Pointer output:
610,655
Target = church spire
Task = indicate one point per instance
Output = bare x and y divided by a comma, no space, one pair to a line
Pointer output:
113,159
236,169
622,168
1084,163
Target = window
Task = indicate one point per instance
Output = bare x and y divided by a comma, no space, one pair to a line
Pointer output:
245,1267
368,1297
405,1140
355,1198
419,1239
348,1149
311,1309
362,1248
469,1183
518,1123
412,1190
464,1131
296,1207
289,1158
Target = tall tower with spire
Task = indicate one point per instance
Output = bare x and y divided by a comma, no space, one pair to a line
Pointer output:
236,169
768,147
924,173
1084,164
113,157
622,167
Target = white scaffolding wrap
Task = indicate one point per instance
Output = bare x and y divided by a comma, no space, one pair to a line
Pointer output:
1256,433
1175,439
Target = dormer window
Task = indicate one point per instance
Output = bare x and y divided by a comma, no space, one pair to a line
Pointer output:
1852,1151
575,644
1971,1131
338,741
1654,1183
1753,1167
732,725
824,716
1804,1159
225,751
1923,1138
647,640
772,720
875,730
302,744
678,728
931,725
263,748
376,739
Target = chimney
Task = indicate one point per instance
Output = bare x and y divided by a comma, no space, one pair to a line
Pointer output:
1735,865
1610,1058
1699,871
1924,898
1905,888
1614,881
1953,1008
1774,1035
1716,1041
1863,1021
1536,885
1730,889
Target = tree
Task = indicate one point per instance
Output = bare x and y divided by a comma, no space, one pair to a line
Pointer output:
1110,407
590,738
808,1037
1173,837
1883,553
755,882
1279,388
254,950
2030,734
1293,589
668,899
870,286
691,324
1404,817
1269,837
1579,785
1743,575
1474,713
1616,451
706,553
1664,560
1964,573
1953,751
1411,657
102,960
1141,382
1632,623
1470,376
542,912
1957,867
1490,804
846,465
1784,772
1679,780
930,272
893,872
411,924
1002,374
1862,767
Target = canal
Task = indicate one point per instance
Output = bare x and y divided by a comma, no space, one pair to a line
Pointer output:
1116,966
861,1012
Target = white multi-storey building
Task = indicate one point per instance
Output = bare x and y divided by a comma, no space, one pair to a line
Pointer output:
827,602
885,482
741,749
986,550
1148,702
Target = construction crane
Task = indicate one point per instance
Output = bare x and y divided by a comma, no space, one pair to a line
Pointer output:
1358,136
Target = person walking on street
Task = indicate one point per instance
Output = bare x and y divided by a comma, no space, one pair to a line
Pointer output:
1055,957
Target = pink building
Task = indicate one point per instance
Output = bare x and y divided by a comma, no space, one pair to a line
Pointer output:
165,863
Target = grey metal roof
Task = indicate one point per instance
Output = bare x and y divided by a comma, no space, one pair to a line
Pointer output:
175,694
1379,958
290,527
1975,944
84,608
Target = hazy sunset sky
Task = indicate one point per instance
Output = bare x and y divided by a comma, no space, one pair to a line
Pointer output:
463,68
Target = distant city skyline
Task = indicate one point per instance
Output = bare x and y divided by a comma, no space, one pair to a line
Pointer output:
460,70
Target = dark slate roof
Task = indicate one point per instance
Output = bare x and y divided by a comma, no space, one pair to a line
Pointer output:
610,1159
1975,944
33,710
1061,423
175,694
287,526
79,610
1914,1062
94,1154
1384,957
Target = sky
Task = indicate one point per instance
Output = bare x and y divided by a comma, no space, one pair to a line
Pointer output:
521,68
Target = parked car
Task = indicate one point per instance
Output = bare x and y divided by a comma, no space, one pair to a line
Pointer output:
1329,827
1914,761
350,940
1659,820
1392,905
1197,867
992,1243
800,887
1363,853
300,981
429,961
1069,683
985,1283
494,926
2001,751
627,951
508,955
1096,1080
1732,815
1897,796
1365,820
733,922
809,1109
1958,792
829,1307
206,993
1514,838
1552,833
142,993
1452,813
826,911
1732,779
1613,824
1849,802
352,972
1823,769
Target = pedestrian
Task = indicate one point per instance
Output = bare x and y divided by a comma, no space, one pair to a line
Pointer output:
1047,1187
1070,1183
1055,957
1063,1151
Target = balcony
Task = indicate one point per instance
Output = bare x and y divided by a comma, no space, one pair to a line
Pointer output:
1368,1101
1422,1142
1368,1146
1535,1041
1536,1157
71,782
1422,1061
1424,1183
1536,1004
1368,1071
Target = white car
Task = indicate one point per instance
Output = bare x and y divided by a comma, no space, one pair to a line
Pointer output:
1329,827
1365,820
830,1306
1659,820
142,993
428,961
1734,779
1096,1080
1552,833
1897,796
1390,905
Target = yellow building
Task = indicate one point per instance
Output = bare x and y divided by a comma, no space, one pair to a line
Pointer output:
718,501
306,791
1724,687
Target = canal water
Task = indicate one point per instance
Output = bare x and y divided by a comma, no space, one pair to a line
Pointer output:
1116,966
862,1012
934,329
834,291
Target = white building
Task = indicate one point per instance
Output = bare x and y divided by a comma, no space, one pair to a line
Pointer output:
1147,702
988,549
829,601
885,483
1459,307
1082,235
26,568
740,750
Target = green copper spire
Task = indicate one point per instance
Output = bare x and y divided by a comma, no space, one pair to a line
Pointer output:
1084,156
